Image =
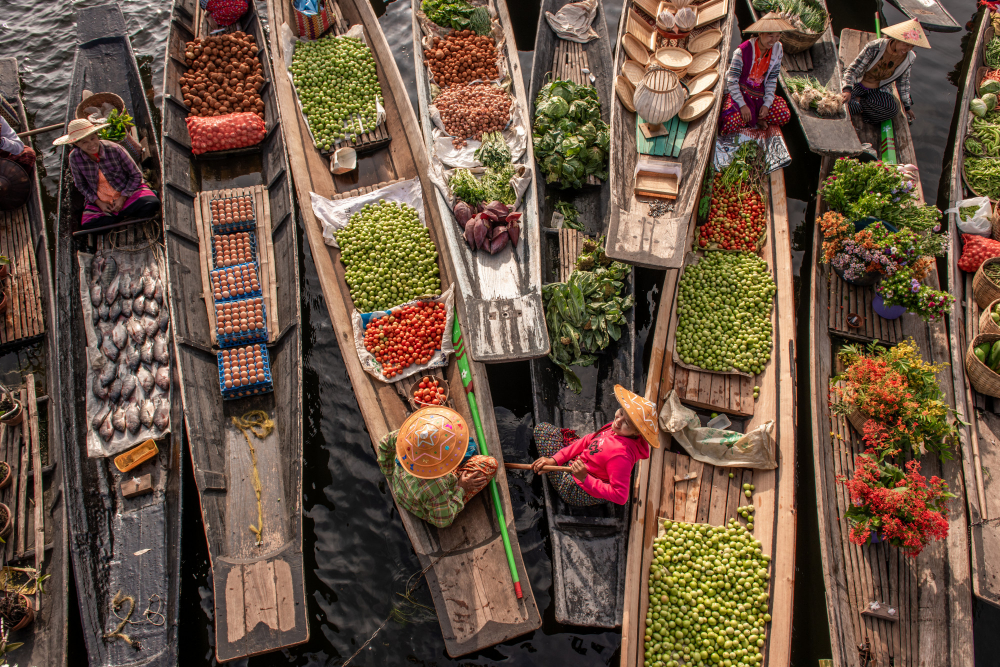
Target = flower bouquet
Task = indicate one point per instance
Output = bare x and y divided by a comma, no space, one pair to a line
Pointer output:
903,288
874,189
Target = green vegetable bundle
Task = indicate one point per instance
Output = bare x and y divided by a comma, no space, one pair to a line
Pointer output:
457,14
992,54
586,313
571,216
570,139
494,186
118,125
802,14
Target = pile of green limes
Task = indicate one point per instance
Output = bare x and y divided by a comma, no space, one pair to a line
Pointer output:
388,256
707,597
724,313
337,84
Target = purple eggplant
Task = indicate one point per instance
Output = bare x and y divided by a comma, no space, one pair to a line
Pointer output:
463,213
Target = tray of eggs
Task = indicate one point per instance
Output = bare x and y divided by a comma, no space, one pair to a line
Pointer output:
232,214
233,249
244,371
241,322
235,282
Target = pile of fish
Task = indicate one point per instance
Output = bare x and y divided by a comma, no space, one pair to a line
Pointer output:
132,323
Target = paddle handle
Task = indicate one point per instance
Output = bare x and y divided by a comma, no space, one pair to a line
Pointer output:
39,130
527,466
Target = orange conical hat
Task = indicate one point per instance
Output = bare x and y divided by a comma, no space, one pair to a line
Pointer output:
432,442
910,32
641,412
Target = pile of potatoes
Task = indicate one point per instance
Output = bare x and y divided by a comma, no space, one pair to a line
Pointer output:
225,75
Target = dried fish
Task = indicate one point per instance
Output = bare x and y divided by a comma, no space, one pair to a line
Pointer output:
164,319
154,270
145,379
161,415
162,377
118,419
149,324
146,411
108,347
136,331
99,418
107,429
148,286
126,307
119,335
115,390
123,371
115,310
109,272
138,305
96,294
125,285
96,266
152,308
136,284
158,292
111,293
128,385
103,311
100,391
108,374
146,351
132,357
132,422
160,352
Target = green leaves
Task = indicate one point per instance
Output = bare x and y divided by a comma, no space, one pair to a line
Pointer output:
570,139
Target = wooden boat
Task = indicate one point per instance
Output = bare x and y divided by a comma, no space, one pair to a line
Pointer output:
672,485
466,568
260,592
930,594
981,411
826,136
501,295
38,504
588,543
931,14
123,549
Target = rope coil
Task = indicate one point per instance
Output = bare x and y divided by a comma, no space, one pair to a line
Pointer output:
257,422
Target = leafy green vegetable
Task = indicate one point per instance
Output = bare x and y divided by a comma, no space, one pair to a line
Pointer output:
992,54
803,14
584,314
571,217
118,125
494,151
466,187
966,212
457,14
494,186
570,139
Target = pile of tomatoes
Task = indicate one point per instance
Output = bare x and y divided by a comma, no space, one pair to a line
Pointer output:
406,336
430,392
737,219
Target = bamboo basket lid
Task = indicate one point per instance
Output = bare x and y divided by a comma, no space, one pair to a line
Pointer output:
624,89
697,106
704,60
706,40
674,58
635,50
633,71
704,81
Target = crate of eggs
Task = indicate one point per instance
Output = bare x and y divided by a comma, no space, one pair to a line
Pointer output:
244,371
232,214
240,322
235,282
233,249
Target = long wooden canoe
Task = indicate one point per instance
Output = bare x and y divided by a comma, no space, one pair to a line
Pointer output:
930,594
467,570
931,14
44,510
826,136
588,543
633,235
500,295
983,412
260,592
121,547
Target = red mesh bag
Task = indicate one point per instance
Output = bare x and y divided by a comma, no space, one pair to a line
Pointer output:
976,250
223,133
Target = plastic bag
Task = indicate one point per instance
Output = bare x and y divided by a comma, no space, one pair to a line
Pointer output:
975,251
978,222
572,22
717,446
334,215
223,133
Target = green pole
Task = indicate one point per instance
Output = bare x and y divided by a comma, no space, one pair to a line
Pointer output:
466,372
887,136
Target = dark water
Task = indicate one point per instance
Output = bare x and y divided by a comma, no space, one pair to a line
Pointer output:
358,558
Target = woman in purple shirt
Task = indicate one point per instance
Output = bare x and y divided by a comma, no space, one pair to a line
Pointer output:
107,177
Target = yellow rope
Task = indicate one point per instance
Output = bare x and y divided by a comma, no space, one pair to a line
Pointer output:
117,632
261,425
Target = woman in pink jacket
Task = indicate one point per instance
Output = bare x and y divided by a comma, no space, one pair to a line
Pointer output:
601,462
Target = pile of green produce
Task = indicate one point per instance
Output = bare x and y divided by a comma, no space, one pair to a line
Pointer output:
980,106
337,85
708,596
989,353
724,313
804,15
571,141
983,176
991,56
117,126
457,14
571,216
586,313
494,154
389,256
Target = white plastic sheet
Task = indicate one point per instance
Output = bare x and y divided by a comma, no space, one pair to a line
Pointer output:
335,214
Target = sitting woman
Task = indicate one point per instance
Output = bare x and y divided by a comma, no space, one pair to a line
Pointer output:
882,63
12,148
107,177
601,462
750,101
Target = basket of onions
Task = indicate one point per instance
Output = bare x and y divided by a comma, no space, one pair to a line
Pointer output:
676,23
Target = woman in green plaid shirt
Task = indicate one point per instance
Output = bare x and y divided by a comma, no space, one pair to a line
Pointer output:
432,466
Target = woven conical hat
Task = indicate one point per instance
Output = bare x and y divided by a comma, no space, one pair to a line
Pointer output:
641,412
908,32
432,442
771,22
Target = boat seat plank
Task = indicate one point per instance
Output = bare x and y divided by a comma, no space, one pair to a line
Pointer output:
846,299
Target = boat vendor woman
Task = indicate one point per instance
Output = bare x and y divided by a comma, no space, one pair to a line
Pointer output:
107,176
602,462
13,149
750,100
868,81
432,465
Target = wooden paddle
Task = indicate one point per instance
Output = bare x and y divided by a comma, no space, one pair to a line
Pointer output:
527,466
39,130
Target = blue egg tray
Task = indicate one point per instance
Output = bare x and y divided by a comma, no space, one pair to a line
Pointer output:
241,297
248,389
253,250
229,227
243,338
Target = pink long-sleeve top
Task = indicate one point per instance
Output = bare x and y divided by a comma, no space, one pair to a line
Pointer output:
609,458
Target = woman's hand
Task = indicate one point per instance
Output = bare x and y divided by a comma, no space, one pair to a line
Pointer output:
578,469
105,206
541,461
910,116
119,203
846,96
762,117
745,114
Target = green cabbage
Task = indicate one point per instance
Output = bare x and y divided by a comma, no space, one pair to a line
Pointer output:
571,141
989,86
555,107
978,107
990,100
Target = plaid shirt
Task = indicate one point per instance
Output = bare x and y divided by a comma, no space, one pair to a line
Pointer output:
868,58
116,165
437,501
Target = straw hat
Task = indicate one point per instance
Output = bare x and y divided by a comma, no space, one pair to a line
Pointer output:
771,22
432,442
908,32
641,412
78,129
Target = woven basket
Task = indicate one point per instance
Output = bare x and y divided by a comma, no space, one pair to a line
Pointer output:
674,59
986,323
624,89
704,81
984,290
696,106
703,61
635,50
705,40
796,42
857,420
980,376
659,96
995,223
99,99
634,72
965,176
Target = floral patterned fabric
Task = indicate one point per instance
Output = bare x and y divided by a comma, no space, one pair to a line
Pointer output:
550,439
